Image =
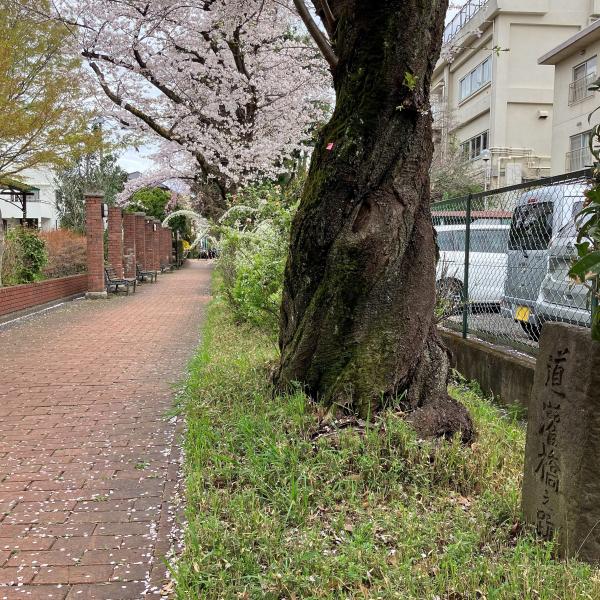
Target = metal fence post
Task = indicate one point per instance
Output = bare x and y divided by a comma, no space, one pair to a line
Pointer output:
465,323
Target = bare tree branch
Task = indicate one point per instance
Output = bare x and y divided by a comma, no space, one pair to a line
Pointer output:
320,39
324,11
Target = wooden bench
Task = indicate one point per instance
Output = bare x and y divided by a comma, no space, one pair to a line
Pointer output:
143,275
166,268
114,282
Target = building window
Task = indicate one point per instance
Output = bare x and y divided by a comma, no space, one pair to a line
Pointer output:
579,156
473,148
475,79
584,75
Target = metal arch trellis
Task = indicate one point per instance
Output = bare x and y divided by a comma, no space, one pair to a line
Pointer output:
202,226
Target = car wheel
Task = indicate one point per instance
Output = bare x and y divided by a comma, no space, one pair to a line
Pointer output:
533,332
449,295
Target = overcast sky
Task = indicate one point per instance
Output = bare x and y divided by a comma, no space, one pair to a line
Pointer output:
136,160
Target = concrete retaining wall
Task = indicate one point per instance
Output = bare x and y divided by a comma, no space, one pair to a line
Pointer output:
504,374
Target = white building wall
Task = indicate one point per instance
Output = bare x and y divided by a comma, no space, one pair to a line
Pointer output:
570,120
517,106
41,206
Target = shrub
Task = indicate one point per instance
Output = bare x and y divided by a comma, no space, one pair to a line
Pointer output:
254,245
66,253
11,260
24,256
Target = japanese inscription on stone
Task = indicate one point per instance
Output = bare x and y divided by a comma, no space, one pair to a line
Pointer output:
561,484
548,468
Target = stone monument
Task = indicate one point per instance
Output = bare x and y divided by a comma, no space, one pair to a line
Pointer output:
561,485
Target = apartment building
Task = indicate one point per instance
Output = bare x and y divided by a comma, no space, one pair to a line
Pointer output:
489,92
576,67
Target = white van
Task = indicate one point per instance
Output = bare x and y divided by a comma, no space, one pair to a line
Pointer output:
538,218
487,261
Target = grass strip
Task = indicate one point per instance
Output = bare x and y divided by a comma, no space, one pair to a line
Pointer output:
278,508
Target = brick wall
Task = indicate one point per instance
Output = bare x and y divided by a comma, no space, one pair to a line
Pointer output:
156,243
21,297
140,239
149,264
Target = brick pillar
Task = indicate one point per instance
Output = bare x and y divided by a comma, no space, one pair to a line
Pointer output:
94,227
161,244
129,251
149,264
140,239
115,239
156,228
169,236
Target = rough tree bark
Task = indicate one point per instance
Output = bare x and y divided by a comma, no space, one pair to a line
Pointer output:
357,320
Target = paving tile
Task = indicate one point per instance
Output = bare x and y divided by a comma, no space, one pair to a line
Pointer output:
74,574
26,543
34,592
87,459
110,591
16,575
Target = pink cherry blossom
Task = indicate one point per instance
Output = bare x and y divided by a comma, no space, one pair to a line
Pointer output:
229,88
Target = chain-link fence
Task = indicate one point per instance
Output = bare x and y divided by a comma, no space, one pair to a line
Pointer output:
504,260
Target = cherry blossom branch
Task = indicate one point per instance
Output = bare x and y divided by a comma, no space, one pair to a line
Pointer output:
236,84
149,121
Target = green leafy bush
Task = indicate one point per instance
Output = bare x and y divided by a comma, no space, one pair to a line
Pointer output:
24,258
254,244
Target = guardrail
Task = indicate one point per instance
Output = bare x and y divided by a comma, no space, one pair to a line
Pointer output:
464,15
580,89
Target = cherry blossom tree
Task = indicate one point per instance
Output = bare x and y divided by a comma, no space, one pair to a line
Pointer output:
357,323
236,85
231,89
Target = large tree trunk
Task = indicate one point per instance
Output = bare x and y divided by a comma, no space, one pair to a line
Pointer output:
357,319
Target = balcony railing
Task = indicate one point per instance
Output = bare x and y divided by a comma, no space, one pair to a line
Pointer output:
438,108
579,159
579,89
466,13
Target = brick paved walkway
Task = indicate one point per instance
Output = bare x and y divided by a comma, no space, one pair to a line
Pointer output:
88,460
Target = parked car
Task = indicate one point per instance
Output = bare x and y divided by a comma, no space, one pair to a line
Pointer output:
559,298
538,218
487,263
